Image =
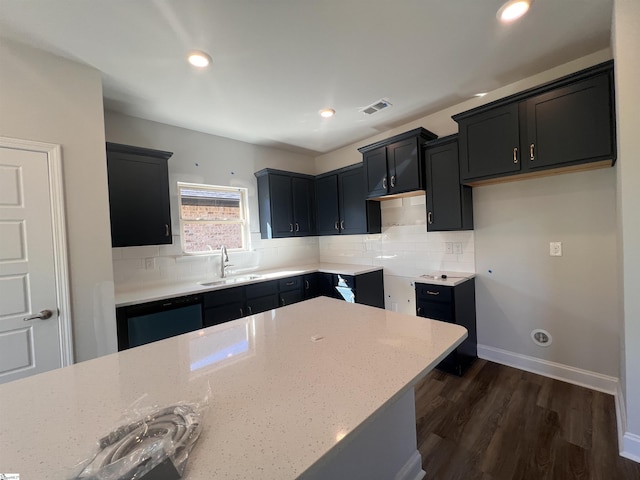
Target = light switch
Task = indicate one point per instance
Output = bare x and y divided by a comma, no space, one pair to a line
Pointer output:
555,249
457,248
448,247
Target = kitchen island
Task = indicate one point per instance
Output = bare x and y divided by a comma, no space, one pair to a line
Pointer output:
318,389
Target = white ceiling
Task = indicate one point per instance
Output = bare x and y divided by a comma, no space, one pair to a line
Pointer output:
277,62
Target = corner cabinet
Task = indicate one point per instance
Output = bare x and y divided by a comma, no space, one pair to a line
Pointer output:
449,204
394,166
286,204
138,196
342,207
566,125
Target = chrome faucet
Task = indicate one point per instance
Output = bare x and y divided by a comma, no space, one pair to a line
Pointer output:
224,259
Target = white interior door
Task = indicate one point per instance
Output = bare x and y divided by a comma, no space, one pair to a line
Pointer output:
30,322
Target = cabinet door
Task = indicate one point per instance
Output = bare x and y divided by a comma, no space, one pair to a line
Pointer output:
375,167
224,313
138,200
449,204
281,207
403,160
262,304
290,297
304,221
570,125
328,220
490,144
353,203
311,285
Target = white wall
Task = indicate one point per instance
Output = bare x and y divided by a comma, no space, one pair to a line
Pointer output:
202,158
50,99
626,38
527,290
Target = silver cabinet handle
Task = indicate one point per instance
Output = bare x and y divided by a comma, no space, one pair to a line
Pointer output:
306,284
290,283
291,227
384,183
433,293
515,155
250,310
342,225
337,227
166,229
419,310
297,227
43,315
393,181
282,300
429,217
531,155
241,312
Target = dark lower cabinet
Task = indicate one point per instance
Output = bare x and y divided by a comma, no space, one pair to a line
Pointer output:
138,196
261,296
224,305
457,305
311,285
291,290
365,288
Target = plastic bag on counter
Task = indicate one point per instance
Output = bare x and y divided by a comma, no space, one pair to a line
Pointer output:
151,444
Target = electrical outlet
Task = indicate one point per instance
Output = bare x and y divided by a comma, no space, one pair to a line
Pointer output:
150,263
448,247
555,249
457,248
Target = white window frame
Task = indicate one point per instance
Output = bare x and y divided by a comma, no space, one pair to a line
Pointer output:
244,214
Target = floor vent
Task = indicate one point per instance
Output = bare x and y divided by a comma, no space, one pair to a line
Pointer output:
376,107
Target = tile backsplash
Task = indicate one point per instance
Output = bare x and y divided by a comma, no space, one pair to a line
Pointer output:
136,267
403,249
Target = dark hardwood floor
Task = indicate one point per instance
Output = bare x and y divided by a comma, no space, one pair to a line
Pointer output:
499,423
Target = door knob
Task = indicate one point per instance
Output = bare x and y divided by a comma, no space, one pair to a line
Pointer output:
43,315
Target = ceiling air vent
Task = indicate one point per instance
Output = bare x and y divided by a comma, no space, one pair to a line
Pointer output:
376,107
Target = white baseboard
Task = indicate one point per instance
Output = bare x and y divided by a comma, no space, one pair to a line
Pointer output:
412,470
577,376
628,443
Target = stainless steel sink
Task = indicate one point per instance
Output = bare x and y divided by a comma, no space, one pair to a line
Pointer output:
230,280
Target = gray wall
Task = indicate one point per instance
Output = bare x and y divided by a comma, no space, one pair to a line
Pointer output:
49,99
626,38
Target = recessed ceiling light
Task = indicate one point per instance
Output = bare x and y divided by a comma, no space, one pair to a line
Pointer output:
199,59
480,94
513,9
327,112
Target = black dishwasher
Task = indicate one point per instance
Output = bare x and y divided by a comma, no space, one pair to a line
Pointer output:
148,322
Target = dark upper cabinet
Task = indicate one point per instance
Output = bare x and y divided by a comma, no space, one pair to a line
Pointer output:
138,195
565,124
449,204
286,204
342,207
570,124
490,143
394,166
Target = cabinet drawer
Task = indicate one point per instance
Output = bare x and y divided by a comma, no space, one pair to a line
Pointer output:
436,310
224,313
262,304
262,289
222,297
291,283
434,293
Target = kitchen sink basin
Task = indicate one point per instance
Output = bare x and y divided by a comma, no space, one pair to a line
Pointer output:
230,280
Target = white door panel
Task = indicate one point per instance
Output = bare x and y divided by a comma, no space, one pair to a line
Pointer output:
27,266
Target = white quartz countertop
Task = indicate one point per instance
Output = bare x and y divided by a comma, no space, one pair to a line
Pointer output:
134,296
453,278
287,386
